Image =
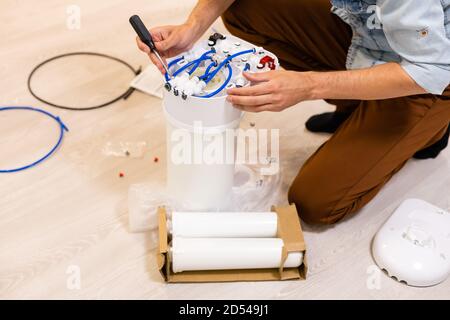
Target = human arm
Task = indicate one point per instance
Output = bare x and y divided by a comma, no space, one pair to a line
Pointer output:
277,90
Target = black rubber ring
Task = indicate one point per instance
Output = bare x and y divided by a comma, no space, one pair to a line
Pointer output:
124,95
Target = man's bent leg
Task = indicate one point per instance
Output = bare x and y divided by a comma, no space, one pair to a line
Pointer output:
347,171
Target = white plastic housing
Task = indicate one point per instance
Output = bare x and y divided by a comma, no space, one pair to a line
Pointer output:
203,187
414,244
198,186
189,254
224,224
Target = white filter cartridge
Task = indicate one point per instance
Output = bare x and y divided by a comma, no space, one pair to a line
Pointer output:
224,224
190,254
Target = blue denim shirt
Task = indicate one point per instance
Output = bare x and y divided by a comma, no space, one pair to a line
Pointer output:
414,33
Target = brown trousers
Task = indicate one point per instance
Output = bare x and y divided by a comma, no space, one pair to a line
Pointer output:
380,136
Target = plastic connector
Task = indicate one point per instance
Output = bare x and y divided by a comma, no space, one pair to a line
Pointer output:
240,82
266,61
214,38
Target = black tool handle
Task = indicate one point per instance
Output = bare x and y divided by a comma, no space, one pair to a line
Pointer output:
142,32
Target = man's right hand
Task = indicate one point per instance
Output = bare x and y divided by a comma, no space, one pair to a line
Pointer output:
169,41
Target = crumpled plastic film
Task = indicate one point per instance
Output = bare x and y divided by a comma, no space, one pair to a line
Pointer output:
252,191
124,149
143,202
255,191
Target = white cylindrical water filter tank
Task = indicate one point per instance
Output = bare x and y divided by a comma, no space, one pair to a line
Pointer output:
200,164
224,224
191,254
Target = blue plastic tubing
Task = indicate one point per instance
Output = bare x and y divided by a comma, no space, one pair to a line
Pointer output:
225,83
226,61
60,139
207,77
196,63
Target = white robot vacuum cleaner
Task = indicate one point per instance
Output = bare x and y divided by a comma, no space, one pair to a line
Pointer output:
413,246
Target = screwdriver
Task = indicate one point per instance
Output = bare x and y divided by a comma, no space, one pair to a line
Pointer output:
146,38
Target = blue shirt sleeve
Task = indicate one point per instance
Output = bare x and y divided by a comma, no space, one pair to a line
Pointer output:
415,30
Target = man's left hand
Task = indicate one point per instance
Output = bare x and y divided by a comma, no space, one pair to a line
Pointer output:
272,91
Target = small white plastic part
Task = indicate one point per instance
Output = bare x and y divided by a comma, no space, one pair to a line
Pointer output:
254,63
240,82
260,50
189,254
414,244
224,224
180,81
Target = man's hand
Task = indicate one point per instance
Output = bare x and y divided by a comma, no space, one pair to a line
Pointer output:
173,40
272,91
169,41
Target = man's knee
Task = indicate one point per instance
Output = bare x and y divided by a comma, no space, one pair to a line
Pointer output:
313,203
308,206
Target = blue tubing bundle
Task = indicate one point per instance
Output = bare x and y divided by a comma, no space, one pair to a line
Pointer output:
208,76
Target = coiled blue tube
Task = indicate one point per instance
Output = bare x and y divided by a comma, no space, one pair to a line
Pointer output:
61,136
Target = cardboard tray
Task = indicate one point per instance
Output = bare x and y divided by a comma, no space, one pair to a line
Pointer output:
289,229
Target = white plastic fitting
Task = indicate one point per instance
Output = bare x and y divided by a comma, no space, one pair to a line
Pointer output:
254,62
240,82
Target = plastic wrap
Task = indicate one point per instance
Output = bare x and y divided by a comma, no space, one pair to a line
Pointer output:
252,192
124,149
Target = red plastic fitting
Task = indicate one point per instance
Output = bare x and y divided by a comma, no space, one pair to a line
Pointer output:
266,61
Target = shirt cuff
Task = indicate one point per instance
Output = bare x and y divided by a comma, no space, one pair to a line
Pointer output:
432,78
